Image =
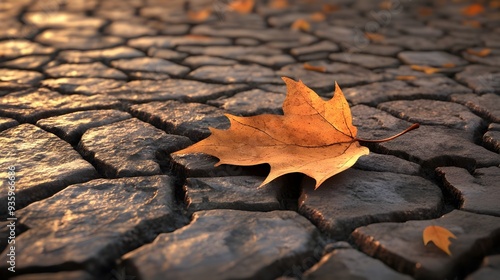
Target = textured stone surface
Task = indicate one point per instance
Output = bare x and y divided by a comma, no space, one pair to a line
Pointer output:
481,78
32,105
72,229
150,64
43,163
486,105
20,76
171,116
429,88
490,269
71,127
400,244
365,60
252,102
492,137
372,162
73,56
28,62
6,123
62,19
227,244
79,39
128,148
85,86
345,74
237,192
431,112
356,198
475,193
89,70
20,47
137,73
430,146
351,264
172,89
173,41
235,74
432,58
202,165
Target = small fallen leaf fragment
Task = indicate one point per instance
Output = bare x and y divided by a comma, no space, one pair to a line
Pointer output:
375,37
310,67
439,236
471,23
330,8
242,6
405,78
318,16
425,11
313,137
278,4
301,24
473,10
494,4
481,53
448,65
200,15
426,69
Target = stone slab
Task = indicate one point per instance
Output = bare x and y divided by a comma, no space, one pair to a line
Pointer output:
171,116
252,102
32,105
87,70
172,89
227,244
43,163
400,244
90,225
129,148
236,192
477,192
357,198
85,86
71,127
351,264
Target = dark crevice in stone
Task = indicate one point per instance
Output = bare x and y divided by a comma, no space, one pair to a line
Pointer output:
288,195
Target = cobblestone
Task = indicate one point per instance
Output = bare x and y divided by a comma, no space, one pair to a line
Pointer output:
96,95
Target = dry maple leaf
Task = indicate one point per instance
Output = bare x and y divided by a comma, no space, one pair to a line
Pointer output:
440,236
321,69
313,137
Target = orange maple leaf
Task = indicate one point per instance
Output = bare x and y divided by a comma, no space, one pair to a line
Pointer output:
313,137
440,236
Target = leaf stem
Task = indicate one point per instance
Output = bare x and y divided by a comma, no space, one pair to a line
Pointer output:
412,127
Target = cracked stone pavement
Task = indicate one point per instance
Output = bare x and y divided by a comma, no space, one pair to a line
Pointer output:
96,95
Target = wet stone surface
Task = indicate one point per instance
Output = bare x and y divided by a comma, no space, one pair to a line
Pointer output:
109,89
233,243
